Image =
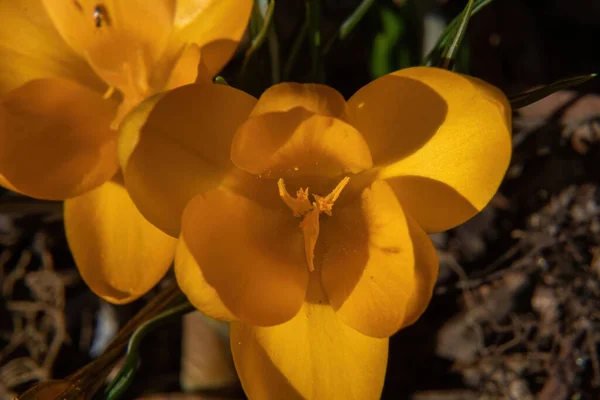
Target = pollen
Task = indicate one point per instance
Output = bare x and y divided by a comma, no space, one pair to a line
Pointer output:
300,204
302,207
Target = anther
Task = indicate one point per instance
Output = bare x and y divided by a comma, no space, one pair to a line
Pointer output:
301,206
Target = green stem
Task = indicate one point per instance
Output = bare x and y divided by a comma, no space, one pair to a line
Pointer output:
450,54
350,23
264,31
85,382
125,376
445,36
256,20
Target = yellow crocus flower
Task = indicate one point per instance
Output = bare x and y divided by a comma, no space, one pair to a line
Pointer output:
302,218
70,70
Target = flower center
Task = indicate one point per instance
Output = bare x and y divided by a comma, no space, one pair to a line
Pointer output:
302,207
126,73
123,60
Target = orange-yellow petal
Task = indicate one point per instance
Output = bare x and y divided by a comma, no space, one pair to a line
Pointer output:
251,255
318,99
217,26
368,262
55,139
298,143
174,147
426,272
129,44
397,114
312,356
119,254
84,24
31,48
188,68
434,204
192,282
442,139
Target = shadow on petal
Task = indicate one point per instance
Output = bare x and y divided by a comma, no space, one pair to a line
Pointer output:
55,139
397,116
298,143
368,266
435,206
344,245
352,249
177,146
470,151
216,54
251,255
426,272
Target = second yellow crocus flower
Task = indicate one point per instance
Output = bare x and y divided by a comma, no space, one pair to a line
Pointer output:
70,70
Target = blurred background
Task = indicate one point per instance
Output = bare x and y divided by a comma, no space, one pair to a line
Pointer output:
516,312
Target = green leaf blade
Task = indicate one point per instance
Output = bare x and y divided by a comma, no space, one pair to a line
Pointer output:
524,99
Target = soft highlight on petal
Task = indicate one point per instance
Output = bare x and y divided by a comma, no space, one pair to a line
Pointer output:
119,254
85,23
251,255
299,143
189,130
191,281
316,98
31,48
461,156
217,26
312,356
55,139
368,263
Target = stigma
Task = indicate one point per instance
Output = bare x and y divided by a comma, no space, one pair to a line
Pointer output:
301,206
